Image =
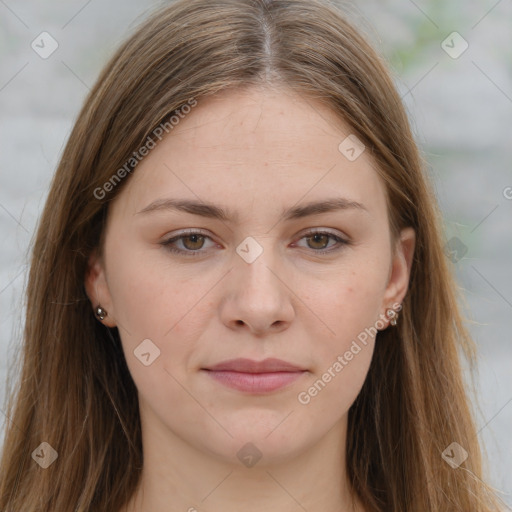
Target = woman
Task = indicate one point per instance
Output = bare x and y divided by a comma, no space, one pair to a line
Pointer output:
238,295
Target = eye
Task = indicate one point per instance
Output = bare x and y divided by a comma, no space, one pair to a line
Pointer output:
192,241
318,240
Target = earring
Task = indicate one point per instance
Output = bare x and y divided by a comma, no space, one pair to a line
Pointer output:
100,312
392,315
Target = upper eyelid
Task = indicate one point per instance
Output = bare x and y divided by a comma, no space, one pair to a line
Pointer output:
301,234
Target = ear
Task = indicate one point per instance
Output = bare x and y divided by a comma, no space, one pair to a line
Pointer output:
400,271
97,290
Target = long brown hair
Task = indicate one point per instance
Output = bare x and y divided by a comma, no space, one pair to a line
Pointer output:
75,391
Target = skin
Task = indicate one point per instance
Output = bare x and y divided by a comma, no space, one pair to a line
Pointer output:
255,153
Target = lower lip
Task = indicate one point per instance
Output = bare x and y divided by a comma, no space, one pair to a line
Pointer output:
255,382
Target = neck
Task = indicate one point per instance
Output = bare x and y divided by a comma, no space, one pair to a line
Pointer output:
179,477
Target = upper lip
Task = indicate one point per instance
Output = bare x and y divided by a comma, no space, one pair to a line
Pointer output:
250,366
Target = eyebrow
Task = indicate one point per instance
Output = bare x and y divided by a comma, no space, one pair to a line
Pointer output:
210,210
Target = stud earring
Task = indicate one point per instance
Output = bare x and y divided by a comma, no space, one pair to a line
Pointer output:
392,315
100,312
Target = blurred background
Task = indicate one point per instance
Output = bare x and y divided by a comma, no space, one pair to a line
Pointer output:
452,63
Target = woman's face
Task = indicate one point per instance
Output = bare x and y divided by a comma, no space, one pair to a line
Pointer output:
252,175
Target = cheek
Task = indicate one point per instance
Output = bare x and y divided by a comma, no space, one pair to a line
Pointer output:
350,302
350,306
151,303
148,296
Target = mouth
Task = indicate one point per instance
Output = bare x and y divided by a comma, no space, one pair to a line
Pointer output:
251,376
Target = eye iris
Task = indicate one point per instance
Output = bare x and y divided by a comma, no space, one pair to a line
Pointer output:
316,236
194,238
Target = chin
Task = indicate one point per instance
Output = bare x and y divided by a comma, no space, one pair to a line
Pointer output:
257,445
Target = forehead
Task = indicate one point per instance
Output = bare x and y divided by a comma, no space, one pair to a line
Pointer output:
276,121
256,147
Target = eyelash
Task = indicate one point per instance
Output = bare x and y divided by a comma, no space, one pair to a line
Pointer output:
167,243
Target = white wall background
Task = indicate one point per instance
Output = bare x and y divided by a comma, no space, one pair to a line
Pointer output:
461,109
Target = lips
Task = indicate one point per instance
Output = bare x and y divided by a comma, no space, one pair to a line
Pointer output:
255,377
249,366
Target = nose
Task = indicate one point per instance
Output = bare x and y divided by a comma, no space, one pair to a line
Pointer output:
258,296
